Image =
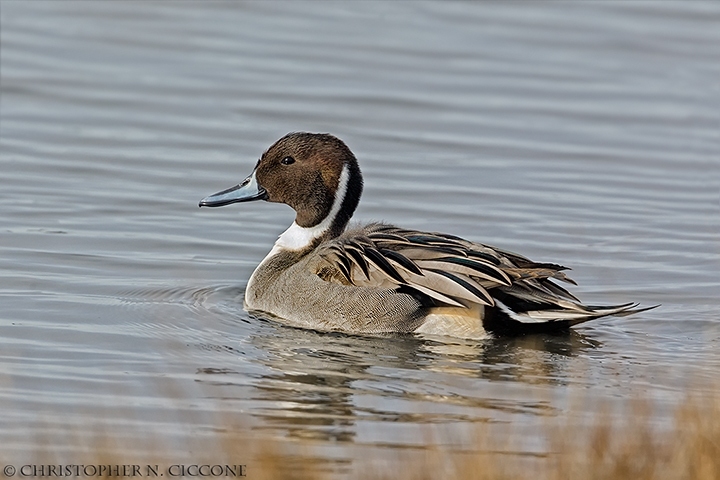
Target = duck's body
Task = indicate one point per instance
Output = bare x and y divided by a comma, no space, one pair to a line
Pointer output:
379,278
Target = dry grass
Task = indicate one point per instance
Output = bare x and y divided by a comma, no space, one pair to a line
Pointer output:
605,446
631,444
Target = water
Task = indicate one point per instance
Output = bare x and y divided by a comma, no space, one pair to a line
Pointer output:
584,134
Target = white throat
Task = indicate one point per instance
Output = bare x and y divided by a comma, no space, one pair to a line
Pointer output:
297,237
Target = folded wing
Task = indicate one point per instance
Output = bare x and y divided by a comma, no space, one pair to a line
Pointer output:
450,271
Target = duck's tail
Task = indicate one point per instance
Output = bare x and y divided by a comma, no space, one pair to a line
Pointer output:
513,316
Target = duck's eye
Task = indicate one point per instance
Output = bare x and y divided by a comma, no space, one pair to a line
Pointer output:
287,161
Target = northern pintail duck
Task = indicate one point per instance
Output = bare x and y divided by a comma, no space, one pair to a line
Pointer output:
380,278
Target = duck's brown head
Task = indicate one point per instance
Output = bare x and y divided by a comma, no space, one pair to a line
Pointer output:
315,173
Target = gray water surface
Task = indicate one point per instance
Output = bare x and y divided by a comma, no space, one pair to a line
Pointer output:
585,134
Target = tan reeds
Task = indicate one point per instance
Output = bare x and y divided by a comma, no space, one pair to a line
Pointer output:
630,443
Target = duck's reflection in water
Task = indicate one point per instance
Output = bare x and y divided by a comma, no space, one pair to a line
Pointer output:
320,385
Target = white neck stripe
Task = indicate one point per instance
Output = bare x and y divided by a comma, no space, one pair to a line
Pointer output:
297,237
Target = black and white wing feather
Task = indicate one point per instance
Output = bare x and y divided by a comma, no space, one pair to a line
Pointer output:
450,271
